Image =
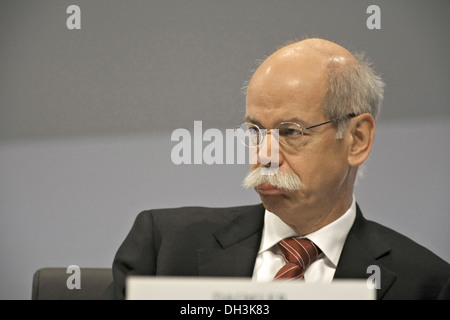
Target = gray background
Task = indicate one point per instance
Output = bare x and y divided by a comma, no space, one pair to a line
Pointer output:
86,116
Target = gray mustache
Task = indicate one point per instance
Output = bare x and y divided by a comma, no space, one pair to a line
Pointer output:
281,180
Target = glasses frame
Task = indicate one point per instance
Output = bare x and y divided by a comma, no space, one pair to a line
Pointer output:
349,115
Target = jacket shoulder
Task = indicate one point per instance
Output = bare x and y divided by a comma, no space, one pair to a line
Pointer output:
420,273
194,214
403,246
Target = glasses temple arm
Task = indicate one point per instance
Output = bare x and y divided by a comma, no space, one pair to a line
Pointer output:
350,115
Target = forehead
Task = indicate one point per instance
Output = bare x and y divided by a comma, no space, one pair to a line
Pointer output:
271,118
269,110
286,89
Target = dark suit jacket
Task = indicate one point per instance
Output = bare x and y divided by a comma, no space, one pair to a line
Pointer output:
223,242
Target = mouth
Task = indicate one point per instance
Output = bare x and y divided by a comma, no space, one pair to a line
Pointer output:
268,189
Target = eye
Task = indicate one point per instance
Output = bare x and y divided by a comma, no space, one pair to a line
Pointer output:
253,130
290,132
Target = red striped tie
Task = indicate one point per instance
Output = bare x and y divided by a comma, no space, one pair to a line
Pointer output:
298,254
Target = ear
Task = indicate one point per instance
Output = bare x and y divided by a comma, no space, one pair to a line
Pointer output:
361,137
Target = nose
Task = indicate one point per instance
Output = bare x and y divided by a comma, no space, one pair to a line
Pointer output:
269,150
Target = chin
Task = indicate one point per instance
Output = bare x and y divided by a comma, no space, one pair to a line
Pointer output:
274,203
286,201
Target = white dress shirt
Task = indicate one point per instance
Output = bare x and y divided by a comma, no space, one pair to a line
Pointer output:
330,239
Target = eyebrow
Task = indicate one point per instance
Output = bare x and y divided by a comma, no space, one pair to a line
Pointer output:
299,121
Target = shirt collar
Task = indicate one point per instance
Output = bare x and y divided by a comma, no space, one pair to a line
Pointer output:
330,238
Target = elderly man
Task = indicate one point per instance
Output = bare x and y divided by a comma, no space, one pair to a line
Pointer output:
314,104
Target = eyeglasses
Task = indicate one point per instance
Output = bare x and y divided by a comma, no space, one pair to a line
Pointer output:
287,133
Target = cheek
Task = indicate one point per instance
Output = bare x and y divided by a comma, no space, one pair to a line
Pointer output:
300,166
329,171
317,171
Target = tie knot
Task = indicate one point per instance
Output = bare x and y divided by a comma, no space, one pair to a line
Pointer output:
301,252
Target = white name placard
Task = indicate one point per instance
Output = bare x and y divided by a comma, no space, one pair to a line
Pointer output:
180,288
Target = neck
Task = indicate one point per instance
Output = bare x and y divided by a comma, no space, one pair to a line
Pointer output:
312,214
314,218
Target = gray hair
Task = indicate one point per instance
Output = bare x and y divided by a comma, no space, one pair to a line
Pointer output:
353,88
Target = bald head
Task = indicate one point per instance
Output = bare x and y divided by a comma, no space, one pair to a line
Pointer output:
320,50
316,74
298,67
307,55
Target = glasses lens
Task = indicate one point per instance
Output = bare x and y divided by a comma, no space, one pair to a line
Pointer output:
249,134
290,134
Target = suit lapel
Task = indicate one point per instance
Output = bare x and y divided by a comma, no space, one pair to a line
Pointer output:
237,245
363,248
238,242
